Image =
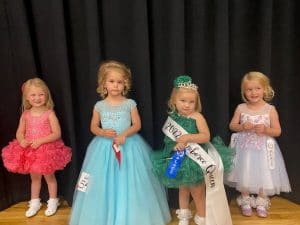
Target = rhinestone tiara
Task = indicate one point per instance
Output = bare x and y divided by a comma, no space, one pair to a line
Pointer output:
188,85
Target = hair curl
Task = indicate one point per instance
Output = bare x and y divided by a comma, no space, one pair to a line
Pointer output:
103,71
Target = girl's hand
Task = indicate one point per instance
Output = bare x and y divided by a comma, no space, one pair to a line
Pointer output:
247,126
183,139
260,129
24,143
119,140
179,146
36,143
109,133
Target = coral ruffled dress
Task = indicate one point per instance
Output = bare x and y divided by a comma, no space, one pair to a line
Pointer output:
46,159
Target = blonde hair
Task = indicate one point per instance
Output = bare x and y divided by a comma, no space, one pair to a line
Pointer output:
36,82
108,66
263,80
171,102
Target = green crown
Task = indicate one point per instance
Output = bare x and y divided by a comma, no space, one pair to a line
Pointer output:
184,81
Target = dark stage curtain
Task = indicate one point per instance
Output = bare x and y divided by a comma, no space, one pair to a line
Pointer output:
216,42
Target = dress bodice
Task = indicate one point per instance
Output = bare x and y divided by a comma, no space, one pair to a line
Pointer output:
37,126
261,116
117,117
189,124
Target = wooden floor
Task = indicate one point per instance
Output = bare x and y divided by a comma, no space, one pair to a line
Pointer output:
282,212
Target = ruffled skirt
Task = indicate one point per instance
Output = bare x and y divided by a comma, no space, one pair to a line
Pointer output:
253,171
46,159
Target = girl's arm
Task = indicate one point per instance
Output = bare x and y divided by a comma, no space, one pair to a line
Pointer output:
55,134
20,134
235,124
98,131
274,130
134,128
202,137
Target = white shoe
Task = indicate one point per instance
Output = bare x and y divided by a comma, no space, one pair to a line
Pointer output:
52,205
184,216
34,206
199,220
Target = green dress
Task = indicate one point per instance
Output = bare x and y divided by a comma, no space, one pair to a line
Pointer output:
189,173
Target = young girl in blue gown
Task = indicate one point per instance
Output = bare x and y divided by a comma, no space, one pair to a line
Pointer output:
116,185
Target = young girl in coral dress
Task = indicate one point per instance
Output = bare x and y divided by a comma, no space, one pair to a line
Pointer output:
38,149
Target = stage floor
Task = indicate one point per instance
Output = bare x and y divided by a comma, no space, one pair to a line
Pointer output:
282,212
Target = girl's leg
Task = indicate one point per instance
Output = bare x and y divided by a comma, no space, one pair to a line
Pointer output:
184,197
52,185
245,194
198,194
35,202
53,201
184,213
36,182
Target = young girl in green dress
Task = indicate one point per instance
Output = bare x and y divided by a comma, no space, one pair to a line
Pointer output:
193,177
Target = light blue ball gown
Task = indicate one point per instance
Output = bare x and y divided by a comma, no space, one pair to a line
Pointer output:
109,193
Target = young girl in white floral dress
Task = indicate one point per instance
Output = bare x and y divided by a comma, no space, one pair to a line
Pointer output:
259,166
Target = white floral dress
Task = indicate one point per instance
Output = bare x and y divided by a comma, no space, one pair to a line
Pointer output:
258,164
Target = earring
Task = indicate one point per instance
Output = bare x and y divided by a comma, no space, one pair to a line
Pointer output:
123,92
105,91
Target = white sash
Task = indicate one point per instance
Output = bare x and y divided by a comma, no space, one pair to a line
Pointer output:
271,153
193,150
217,210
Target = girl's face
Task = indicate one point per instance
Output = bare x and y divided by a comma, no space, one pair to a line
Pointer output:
36,96
114,83
185,101
254,91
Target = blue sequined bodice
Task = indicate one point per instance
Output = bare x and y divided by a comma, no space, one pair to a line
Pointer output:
115,117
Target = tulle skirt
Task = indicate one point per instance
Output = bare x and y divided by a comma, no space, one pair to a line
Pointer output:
46,159
109,193
253,172
189,173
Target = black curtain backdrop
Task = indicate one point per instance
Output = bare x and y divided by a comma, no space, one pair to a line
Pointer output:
214,41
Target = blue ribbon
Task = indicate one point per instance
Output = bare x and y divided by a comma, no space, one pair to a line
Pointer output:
175,163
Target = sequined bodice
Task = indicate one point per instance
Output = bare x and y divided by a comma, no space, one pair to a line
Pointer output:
262,116
115,117
189,124
37,126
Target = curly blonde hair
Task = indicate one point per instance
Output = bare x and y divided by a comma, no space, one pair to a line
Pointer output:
108,66
36,82
263,80
171,101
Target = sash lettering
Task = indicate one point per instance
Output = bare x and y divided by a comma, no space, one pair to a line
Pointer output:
217,210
